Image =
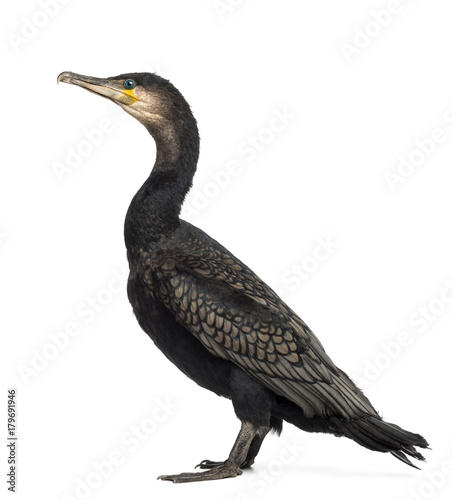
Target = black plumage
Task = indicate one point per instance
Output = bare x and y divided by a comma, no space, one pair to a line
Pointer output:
213,317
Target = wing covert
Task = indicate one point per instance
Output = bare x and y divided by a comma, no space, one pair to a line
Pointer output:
239,318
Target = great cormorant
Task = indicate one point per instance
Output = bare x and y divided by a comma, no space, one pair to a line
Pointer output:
212,316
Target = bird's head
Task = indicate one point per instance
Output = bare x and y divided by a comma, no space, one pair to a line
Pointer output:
149,98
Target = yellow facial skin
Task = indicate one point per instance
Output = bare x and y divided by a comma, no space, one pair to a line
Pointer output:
126,96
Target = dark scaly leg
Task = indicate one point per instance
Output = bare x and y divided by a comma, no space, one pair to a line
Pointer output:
256,443
228,468
252,404
253,450
255,446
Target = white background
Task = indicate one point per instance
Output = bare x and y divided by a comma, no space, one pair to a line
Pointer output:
379,301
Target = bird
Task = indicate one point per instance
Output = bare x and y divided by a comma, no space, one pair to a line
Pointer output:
213,317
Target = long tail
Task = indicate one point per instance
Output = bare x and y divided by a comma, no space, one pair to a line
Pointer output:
376,434
369,431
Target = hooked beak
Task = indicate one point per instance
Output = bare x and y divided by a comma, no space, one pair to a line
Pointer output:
111,89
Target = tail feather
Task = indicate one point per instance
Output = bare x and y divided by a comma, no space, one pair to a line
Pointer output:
376,434
401,456
368,430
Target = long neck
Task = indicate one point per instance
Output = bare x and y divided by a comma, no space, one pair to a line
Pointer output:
154,210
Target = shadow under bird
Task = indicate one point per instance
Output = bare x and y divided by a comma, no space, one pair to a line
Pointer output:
213,317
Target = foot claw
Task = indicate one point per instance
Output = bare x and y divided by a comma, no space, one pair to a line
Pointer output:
175,478
208,464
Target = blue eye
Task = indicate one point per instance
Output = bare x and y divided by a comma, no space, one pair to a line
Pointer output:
129,84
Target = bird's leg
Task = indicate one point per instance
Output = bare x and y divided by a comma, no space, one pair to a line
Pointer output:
228,468
253,450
